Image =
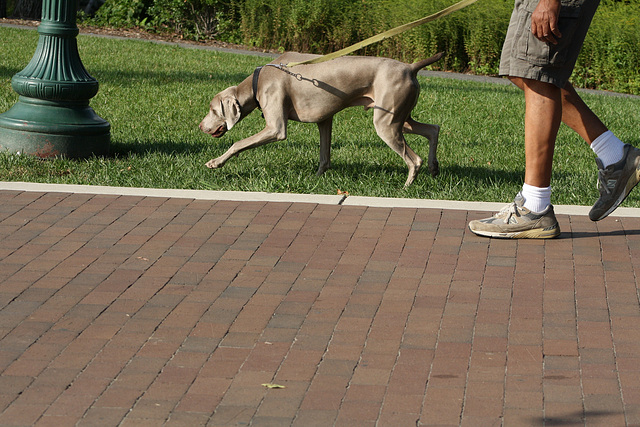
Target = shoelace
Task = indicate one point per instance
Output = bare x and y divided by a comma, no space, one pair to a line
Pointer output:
509,210
602,182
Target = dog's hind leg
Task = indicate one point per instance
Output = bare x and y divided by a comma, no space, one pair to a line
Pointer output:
390,131
325,144
431,132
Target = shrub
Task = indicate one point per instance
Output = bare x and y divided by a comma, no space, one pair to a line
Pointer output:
196,18
123,13
472,38
610,57
192,19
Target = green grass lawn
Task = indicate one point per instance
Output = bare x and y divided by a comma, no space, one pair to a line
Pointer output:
154,96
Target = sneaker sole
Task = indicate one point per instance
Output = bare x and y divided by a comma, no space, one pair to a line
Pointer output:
536,233
631,183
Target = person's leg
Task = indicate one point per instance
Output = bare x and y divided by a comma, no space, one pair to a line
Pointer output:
575,113
618,164
539,127
579,117
550,99
541,123
531,214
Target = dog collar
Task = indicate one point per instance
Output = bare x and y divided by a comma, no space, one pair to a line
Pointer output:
256,75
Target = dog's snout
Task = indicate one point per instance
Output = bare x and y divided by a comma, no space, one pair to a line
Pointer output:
205,125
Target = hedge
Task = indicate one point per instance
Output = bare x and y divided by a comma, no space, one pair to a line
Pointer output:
472,38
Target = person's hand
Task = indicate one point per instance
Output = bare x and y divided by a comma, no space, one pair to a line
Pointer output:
544,21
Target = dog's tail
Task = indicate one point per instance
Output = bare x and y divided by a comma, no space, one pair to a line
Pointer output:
417,66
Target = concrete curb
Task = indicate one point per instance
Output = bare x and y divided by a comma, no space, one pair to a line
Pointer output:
323,199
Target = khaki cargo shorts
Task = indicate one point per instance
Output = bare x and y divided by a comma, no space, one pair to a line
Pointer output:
525,56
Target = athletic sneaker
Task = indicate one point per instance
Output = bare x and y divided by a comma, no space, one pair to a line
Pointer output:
615,182
515,221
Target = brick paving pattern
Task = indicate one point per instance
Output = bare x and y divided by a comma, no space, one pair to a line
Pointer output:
147,311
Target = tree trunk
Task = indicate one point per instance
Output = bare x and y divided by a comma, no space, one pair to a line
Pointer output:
28,9
3,9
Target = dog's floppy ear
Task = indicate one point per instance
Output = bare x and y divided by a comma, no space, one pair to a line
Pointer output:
230,111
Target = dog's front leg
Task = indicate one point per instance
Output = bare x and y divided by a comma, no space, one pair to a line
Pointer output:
272,132
325,144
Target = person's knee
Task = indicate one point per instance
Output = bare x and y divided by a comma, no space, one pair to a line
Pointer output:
518,81
539,88
536,85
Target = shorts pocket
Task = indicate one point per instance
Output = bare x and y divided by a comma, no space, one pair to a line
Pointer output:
528,48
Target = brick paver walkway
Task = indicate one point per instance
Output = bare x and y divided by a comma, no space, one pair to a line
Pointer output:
148,311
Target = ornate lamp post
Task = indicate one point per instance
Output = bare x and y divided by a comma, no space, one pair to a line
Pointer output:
52,116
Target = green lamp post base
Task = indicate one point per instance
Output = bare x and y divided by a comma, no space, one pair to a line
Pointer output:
49,129
52,116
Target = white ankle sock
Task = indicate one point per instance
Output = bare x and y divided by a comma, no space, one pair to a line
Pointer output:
608,148
536,199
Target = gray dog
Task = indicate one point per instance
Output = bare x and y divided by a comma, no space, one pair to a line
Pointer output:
313,93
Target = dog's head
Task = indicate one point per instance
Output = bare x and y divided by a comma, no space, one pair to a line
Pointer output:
224,113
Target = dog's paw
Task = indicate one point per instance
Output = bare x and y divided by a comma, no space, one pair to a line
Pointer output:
213,164
322,169
434,168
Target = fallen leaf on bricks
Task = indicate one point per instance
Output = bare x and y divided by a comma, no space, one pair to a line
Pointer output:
269,385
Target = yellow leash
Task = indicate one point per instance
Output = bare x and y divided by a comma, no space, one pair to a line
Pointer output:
390,33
